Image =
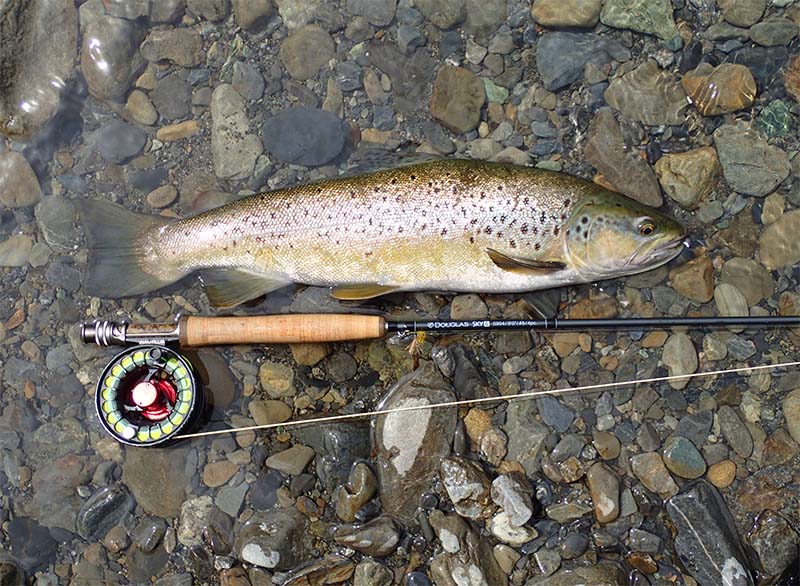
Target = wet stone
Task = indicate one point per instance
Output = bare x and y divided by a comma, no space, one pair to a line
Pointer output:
514,498
680,357
458,95
749,164
682,458
604,487
467,486
274,539
192,520
526,436
371,573
735,432
791,411
292,461
652,17
775,542
15,251
155,481
572,13
777,246
562,56
31,544
378,538
181,46
720,90
689,177
773,31
338,448
104,509
306,51
234,151
55,439
149,533
475,559
264,491
230,498
442,13
212,10
555,414
602,574
252,14
172,97
649,95
117,141
377,12
55,501
247,81
19,186
411,445
749,277
701,505
484,17
742,13
110,60
303,136
650,469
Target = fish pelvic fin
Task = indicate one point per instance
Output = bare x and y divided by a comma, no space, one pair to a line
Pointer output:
228,287
523,265
360,292
116,266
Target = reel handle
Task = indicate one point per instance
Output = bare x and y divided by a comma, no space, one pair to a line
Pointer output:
280,329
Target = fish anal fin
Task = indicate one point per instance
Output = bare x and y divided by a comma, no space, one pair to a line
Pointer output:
509,263
360,292
230,287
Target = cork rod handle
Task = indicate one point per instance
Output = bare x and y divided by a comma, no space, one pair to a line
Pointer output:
280,329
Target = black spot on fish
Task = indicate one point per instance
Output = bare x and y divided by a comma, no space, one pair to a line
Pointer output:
488,230
526,201
584,220
472,222
499,188
513,244
537,246
444,231
543,217
567,202
393,182
413,178
524,229
555,231
472,240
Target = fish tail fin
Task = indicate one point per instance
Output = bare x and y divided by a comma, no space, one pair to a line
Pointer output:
116,258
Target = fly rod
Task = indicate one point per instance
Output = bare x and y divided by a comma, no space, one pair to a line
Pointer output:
150,393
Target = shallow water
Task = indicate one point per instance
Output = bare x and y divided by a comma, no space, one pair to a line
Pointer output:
168,109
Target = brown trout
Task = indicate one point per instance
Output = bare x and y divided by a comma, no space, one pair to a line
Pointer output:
447,225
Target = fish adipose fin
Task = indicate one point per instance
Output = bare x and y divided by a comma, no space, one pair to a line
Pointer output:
360,292
523,265
115,267
230,287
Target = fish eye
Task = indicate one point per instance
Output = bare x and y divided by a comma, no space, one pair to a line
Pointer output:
647,228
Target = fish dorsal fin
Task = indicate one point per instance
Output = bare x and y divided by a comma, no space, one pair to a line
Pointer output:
360,292
229,287
370,160
509,263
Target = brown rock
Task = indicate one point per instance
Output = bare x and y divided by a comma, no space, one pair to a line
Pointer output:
567,13
779,448
457,99
306,51
162,197
19,186
269,412
764,490
749,277
648,94
477,422
156,479
722,473
595,305
604,488
309,354
216,474
688,178
791,78
178,131
694,280
729,87
779,245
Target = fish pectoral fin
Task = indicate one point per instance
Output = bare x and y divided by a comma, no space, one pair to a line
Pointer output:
229,287
509,263
360,292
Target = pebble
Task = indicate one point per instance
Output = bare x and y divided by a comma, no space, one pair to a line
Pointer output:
410,445
620,166
457,99
34,548
194,512
604,487
648,95
742,13
680,357
360,488
730,301
735,432
468,306
562,56
212,10
101,511
117,141
15,251
443,13
273,539
268,412
791,412
484,17
506,557
110,61
252,15
511,495
526,436
162,197
233,150
179,131
650,469
263,493
378,538
141,108
773,32
306,51
19,186
702,506
371,573
749,277
467,486
501,527
653,17
688,178
247,81
292,461
775,542
155,481
602,574
303,136
694,279
377,12
149,533
180,46
723,89
569,13
172,97
218,473
749,164
774,205
607,445
555,414
682,458
777,245
722,474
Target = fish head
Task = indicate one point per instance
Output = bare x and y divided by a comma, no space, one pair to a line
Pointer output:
609,235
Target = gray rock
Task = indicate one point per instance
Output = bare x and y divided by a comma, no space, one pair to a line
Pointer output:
348,76
19,186
695,427
749,277
55,500
467,486
15,251
683,458
700,516
55,219
554,413
377,12
653,17
306,51
573,545
302,136
292,461
619,162
602,574
458,96
484,17
778,247
55,439
791,412
110,58
252,14
474,558
274,539
148,533
230,498
775,542
562,56
104,509
411,444
264,491
649,95
773,32
338,448
172,97
181,46
166,11
749,164
158,485
680,357
443,13
735,432
547,561
212,10
234,151
526,436
742,12
247,81
33,546
194,513
117,141
36,61
360,488
513,497
409,38
297,13
371,573
411,76
378,538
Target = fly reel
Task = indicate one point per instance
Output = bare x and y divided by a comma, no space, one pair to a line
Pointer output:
147,395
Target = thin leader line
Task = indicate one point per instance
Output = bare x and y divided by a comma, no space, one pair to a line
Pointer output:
509,398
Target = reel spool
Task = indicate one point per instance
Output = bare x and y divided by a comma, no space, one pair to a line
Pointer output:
147,395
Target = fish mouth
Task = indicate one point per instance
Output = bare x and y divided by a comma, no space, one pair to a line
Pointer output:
660,254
